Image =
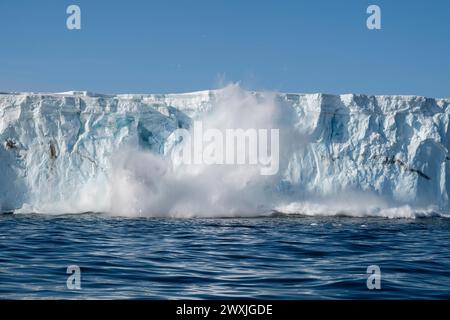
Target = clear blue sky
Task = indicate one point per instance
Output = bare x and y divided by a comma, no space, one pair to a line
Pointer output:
176,46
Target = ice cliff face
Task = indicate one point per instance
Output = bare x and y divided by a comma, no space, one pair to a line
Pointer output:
394,147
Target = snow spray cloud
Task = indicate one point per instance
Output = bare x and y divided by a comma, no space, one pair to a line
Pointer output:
210,182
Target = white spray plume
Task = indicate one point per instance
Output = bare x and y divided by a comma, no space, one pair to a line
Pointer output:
151,185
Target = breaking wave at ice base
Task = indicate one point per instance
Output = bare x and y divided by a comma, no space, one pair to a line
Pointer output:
359,211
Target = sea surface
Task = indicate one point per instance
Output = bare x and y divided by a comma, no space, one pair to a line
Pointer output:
279,257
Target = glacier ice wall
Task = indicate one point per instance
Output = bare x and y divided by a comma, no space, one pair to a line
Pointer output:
57,151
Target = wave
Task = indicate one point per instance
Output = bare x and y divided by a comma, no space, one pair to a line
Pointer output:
359,211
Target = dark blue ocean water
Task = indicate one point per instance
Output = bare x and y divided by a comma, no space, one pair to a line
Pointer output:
283,257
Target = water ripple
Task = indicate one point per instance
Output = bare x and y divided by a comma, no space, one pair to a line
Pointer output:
281,257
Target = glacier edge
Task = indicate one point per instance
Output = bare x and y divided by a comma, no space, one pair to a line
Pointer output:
56,148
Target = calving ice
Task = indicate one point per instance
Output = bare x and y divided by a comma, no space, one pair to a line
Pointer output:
228,147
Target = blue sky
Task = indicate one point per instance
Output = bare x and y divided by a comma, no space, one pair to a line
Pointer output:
176,46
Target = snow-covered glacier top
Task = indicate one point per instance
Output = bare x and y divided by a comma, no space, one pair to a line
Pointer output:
81,151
